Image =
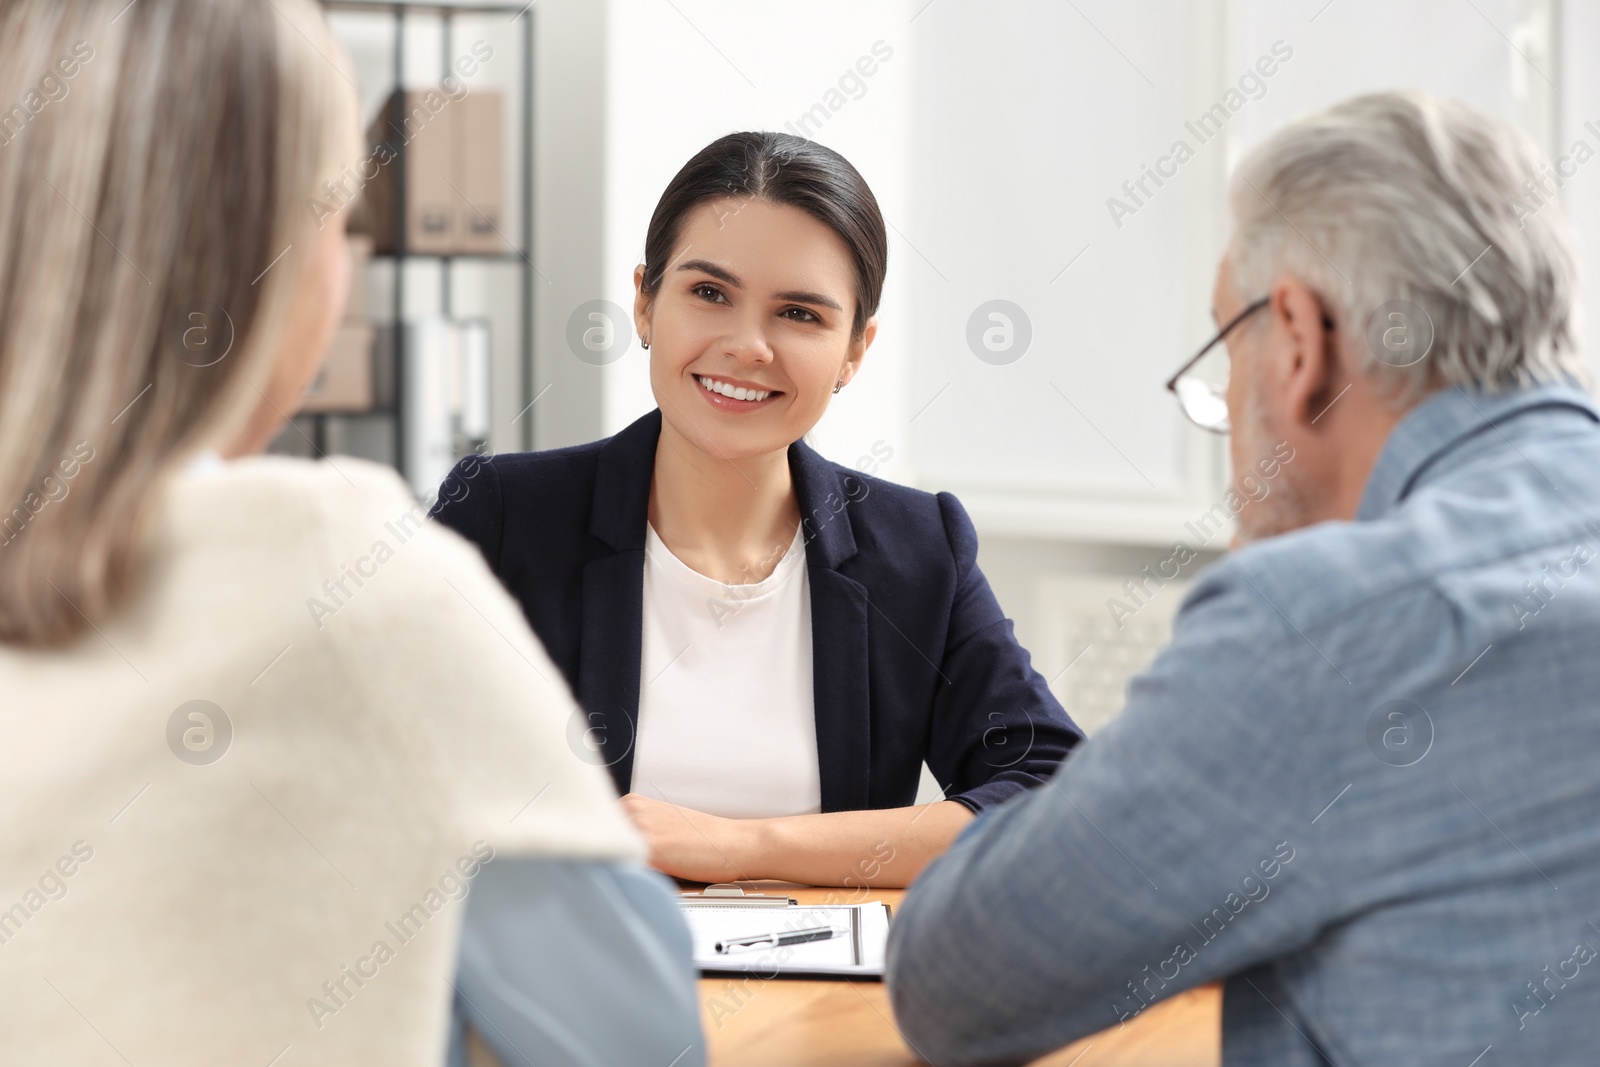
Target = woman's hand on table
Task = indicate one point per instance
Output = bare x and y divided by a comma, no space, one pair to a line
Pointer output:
690,844
882,848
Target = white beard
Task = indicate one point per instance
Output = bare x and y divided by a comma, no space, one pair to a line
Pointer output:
1283,508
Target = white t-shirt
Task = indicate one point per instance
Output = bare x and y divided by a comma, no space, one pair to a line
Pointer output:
727,724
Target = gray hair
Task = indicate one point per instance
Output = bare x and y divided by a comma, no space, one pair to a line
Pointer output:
1400,200
160,161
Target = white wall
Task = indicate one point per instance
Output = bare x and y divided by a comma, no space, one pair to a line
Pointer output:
1029,118
571,50
995,138
1580,120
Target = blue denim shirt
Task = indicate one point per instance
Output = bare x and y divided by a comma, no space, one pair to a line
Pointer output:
1361,786
576,963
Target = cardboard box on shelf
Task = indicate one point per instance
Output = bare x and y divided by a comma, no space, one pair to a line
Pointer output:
345,381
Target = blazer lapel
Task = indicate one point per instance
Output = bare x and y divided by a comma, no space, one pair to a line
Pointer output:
613,596
839,630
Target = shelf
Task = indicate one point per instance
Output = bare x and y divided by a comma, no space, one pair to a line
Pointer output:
487,257
363,413
390,7
428,15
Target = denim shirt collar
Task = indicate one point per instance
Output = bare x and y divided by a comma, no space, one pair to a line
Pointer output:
1443,422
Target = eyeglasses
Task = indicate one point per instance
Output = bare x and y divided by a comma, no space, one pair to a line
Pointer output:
1203,392
1204,396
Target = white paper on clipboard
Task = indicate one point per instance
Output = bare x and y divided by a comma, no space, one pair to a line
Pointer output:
857,955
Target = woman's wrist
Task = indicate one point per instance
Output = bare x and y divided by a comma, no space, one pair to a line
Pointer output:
750,846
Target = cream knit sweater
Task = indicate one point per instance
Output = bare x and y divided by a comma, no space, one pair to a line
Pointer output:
295,901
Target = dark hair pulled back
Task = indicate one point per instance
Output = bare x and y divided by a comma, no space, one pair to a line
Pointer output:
782,169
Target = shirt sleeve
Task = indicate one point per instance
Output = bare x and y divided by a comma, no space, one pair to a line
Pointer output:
576,964
1141,869
997,730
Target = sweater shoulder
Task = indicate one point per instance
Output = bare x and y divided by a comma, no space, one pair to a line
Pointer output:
283,520
283,502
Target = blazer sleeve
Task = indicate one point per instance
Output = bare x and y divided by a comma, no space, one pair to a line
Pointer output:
469,503
997,730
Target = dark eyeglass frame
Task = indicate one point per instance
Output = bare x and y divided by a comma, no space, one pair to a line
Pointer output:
1227,327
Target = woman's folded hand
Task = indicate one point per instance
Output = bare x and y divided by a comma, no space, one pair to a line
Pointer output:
690,844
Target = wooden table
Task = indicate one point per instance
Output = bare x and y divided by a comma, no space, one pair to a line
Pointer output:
790,1023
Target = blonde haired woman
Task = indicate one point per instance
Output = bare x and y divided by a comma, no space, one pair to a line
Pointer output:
233,830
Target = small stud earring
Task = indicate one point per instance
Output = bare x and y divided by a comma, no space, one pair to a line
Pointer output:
839,384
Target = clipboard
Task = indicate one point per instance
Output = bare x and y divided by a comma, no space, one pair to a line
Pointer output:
860,954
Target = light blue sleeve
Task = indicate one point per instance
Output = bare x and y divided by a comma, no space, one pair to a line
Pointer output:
1070,908
570,963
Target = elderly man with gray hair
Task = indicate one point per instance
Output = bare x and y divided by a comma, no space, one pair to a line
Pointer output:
1361,786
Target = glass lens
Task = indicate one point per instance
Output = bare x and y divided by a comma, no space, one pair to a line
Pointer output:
1204,401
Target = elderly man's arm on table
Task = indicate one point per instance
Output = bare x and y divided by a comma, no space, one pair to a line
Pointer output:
576,963
1070,909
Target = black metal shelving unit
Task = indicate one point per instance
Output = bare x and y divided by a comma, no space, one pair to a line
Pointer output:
445,12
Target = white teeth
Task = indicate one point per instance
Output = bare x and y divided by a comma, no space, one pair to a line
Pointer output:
733,392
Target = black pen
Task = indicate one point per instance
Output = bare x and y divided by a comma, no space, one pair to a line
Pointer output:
778,940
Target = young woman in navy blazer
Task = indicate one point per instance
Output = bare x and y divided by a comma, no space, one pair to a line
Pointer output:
763,267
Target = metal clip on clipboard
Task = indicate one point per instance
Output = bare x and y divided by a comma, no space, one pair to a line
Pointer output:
726,894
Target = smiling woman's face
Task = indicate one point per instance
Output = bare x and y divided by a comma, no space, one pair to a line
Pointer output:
750,329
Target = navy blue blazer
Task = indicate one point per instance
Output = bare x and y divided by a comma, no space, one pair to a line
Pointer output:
913,659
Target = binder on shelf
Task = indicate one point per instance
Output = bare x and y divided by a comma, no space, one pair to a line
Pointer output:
422,139
473,423
444,368
448,153
428,398
478,174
